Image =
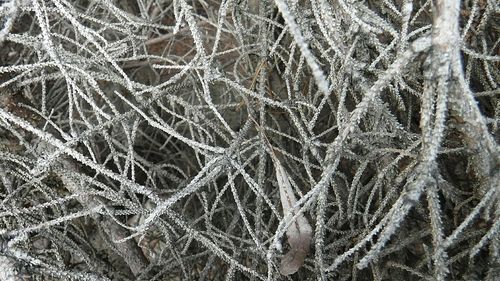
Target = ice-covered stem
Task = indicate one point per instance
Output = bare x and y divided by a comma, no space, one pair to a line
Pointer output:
294,28
8,271
437,84
128,250
464,111
9,10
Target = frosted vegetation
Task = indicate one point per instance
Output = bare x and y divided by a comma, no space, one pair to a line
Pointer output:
249,140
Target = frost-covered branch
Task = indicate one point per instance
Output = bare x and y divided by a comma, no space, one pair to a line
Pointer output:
159,139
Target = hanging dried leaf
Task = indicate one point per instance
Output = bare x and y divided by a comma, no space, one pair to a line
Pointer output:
299,233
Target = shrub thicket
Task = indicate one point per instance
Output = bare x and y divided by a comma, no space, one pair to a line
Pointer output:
249,140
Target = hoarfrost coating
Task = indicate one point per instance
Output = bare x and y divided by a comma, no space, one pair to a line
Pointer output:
249,140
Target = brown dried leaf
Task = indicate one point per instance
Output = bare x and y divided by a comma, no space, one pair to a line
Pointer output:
299,233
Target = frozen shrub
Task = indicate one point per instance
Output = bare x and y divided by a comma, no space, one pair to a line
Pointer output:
249,140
